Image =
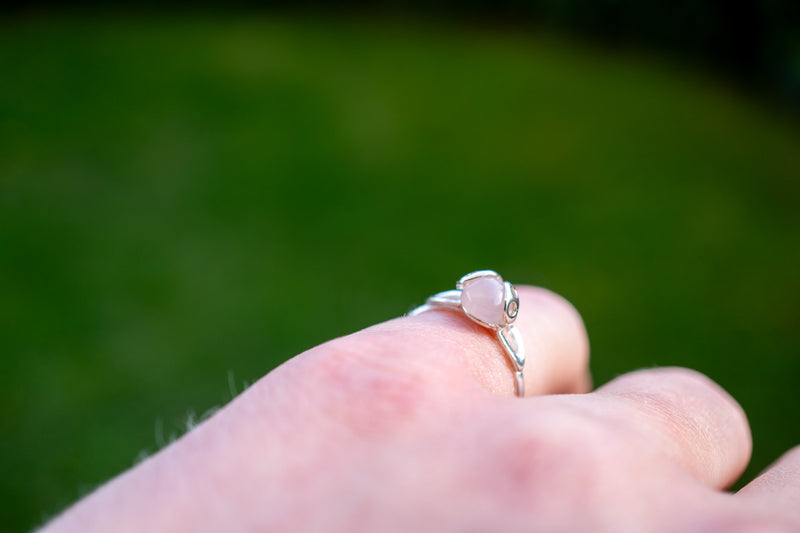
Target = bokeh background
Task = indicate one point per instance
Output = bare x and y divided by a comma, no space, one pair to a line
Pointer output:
189,199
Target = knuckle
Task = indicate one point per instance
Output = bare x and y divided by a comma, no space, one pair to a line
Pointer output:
686,401
690,418
367,390
674,384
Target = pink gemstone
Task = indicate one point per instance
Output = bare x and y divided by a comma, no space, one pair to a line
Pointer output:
483,298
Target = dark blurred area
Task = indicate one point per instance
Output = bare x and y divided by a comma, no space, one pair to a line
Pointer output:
755,43
188,198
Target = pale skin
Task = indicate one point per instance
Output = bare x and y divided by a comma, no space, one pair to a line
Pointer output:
411,425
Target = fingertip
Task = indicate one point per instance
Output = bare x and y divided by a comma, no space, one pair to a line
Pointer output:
558,342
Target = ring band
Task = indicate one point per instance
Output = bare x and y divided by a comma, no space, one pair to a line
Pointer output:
494,304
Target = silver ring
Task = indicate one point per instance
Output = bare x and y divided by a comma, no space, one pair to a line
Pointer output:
491,302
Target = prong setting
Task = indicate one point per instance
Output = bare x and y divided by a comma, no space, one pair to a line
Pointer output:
485,298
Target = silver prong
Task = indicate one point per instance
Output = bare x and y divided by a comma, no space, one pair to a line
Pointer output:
477,274
511,305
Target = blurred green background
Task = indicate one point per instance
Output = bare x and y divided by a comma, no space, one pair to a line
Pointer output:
186,202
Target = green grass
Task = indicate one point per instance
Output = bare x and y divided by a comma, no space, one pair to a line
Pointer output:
184,199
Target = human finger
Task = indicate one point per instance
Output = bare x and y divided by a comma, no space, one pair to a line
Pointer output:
448,348
776,491
686,418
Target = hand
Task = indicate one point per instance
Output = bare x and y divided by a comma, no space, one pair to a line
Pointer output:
395,428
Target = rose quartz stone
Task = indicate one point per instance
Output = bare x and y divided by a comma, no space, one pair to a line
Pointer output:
483,298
